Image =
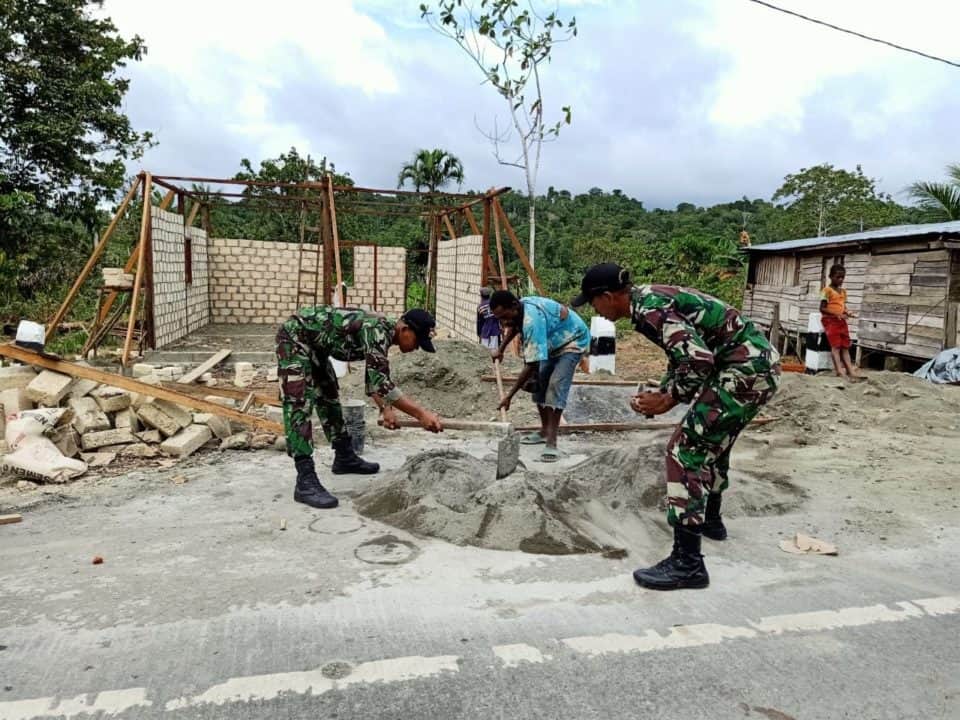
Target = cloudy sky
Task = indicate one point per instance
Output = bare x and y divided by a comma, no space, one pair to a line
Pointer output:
673,100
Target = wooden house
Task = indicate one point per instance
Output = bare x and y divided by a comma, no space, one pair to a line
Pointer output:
903,282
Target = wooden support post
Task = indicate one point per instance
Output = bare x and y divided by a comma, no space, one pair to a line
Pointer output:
138,278
446,221
429,302
471,220
487,212
950,325
192,217
501,266
376,272
775,327
335,233
92,261
518,248
167,199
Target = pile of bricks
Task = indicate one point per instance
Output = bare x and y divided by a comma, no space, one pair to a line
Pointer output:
109,422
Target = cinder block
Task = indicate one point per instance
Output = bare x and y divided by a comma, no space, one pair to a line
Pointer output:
154,417
94,440
49,388
149,436
183,416
220,427
143,369
243,374
88,417
16,377
67,441
111,399
14,401
128,420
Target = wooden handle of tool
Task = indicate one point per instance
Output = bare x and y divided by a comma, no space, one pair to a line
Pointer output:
449,424
496,369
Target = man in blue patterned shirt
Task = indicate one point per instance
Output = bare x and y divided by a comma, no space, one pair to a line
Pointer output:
554,340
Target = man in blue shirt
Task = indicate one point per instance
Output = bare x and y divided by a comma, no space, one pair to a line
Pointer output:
554,340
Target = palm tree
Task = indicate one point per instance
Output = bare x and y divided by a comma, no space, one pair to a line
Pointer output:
431,169
939,201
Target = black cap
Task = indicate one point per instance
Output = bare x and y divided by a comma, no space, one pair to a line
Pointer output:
605,277
423,325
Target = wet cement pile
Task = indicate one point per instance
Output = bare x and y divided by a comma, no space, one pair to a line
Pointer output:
612,500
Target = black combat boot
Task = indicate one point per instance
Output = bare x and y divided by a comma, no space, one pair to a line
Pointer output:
683,569
347,462
309,491
713,527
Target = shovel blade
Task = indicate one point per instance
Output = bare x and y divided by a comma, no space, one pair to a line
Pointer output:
508,454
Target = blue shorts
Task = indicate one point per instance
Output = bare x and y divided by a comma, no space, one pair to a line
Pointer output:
555,379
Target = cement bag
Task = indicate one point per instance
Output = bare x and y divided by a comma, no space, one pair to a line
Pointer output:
34,455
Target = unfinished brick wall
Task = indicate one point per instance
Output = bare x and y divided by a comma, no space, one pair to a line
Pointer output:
253,281
179,307
391,284
458,285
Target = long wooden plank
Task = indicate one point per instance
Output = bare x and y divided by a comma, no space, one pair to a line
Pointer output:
141,265
207,365
449,226
10,519
576,381
336,234
91,262
162,393
224,392
517,246
625,427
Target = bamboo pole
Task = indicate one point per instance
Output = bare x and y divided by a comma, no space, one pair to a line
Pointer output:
92,261
141,257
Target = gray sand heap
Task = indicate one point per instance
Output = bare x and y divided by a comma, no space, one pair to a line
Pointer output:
612,500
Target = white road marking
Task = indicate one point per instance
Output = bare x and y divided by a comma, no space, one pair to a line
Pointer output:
695,635
513,655
314,682
108,702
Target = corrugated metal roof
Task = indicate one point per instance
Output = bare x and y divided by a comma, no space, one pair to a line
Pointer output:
893,232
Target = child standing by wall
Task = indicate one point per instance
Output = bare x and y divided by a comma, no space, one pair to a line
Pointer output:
488,327
834,314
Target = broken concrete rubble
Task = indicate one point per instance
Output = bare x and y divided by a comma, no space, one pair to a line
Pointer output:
240,441
16,377
149,436
111,399
88,417
94,440
67,441
154,417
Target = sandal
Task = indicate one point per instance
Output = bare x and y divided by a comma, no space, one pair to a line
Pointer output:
549,455
534,438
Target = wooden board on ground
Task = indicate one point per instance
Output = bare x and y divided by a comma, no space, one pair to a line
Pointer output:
625,427
82,371
204,367
224,392
10,519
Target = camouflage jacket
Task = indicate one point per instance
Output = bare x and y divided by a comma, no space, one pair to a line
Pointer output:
349,335
701,336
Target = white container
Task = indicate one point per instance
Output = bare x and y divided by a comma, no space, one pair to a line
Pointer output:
814,323
603,334
817,360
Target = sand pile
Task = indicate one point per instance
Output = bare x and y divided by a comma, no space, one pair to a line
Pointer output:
889,402
612,500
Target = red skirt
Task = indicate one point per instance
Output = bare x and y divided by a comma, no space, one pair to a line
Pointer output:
838,334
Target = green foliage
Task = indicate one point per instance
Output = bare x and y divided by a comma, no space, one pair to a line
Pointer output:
939,202
822,200
431,169
63,142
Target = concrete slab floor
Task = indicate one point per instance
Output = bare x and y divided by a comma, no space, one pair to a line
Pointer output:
205,608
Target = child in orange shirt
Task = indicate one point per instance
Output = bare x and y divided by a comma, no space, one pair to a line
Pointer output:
834,314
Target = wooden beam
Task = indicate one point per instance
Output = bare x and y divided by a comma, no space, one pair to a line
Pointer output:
141,264
194,209
446,221
471,220
92,261
626,426
224,392
167,199
501,267
205,366
336,233
162,393
576,381
518,247
485,245
10,519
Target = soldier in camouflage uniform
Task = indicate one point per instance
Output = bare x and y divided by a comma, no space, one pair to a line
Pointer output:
305,345
721,364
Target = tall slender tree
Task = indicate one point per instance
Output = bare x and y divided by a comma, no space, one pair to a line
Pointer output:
939,201
431,169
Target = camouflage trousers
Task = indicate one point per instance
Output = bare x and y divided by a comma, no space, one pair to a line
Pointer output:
698,454
308,384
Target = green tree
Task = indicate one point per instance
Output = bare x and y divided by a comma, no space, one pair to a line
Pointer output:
510,45
431,169
939,201
822,200
64,138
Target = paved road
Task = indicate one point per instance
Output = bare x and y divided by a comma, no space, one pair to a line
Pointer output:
204,608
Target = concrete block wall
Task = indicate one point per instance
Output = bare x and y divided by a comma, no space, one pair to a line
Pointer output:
252,281
458,285
178,307
391,282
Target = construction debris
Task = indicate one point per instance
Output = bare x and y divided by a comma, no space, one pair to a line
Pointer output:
10,519
16,377
204,368
243,374
49,388
187,442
